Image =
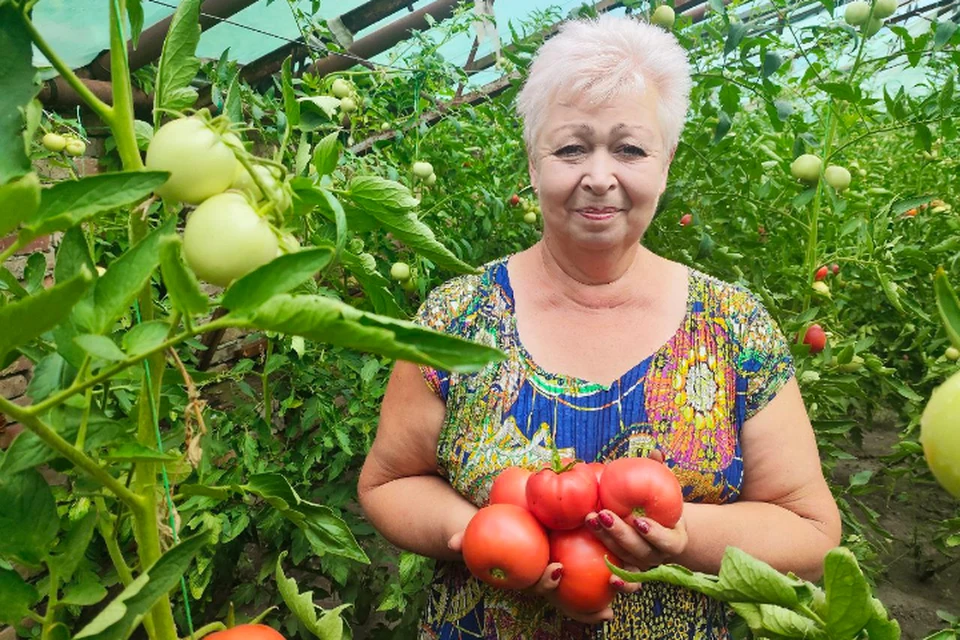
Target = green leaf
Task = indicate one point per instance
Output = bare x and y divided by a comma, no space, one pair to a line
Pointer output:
946,95
178,64
100,347
327,154
327,104
771,63
11,284
232,104
145,337
72,255
767,619
277,276
83,594
326,320
323,528
756,581
848,594
948,305
18,201
408,229
126,277
136,452
51,374
677,575
16,596
374,285
880,626
840,90
135,15
891,290
945,31
291,107
125,612
328,627
734,36
71,202
70,551
17,77
379,196
28,517
27,318
182,285
34,272
334,210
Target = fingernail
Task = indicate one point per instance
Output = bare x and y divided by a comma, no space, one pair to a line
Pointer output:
618,583
594,523
642,525
556,574
606,519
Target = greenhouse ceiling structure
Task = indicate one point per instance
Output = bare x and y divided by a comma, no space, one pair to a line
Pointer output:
260,34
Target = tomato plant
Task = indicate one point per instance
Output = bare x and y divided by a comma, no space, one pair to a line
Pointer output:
505,546
641,487
585,584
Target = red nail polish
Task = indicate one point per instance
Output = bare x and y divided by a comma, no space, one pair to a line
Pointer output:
606,519
618,583
594,523
556,573
642,525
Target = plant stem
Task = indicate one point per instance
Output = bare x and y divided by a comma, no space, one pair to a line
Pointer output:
52,600
807,611
12,249
122,122
810,261
265,382
79,459
107,528
206,630
103,110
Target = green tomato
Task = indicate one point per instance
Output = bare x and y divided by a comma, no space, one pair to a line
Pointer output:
663,16
884,8
244,182
837,177
870,28
341,88
431,180
857,12
288,243
400,271
806,168
75,147
410,285
952,353
940,435
530,217
422,169
54,142
225,239
348,105
199,162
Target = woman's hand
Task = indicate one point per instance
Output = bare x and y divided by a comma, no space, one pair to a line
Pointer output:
550,580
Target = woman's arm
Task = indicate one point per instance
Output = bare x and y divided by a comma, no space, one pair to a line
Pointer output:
399,489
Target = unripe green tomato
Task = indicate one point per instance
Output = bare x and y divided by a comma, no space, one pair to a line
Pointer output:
288,243
348,105
854,365
225,239
431,180
341,88
422,169
75,148
870,28
837,177
821,288
884,8
857,12
940,436
400,271
199,162
952,353
385,126
530,217
663,16
409,284
806,168
862,173
54,142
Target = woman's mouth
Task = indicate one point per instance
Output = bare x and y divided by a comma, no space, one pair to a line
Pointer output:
598,213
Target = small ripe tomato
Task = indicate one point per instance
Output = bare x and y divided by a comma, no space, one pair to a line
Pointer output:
585,586
514,200
642,487
200,164
562,500
225,239
506,547
510,487
54,142
815,337
821,273
686,220
246,632
939,434
835,268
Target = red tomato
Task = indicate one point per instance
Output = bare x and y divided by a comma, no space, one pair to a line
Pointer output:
642,487
821,273
514,200
246,632
815,337
506,547
835,268
597,468
510,487
585,585
562,500
686,219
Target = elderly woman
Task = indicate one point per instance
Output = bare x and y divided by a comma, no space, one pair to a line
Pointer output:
612,351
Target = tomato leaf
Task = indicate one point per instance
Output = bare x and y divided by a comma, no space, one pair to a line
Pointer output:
276,277
84,594
16,596
145,337
326,320
178,64
327,154
72,254
848,594
374,285
135,15
70,551
328,627
136,452
124,613
27,318
182,285
948,305
19,201
28,517
19,88
945,31
291,108
891,290
766,619
100,347
378,195
69,203
323,528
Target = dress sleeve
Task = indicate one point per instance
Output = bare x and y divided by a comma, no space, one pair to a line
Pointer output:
765,360
436,313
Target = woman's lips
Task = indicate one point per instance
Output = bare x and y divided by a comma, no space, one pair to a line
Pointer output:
598,213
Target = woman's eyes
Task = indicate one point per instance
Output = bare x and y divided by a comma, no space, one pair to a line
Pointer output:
576,149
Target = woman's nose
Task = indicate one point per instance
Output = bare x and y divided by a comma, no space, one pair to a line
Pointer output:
599,173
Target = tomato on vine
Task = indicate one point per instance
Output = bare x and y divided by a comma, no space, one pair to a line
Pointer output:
201,165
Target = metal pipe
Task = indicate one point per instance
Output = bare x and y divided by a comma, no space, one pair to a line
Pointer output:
58,94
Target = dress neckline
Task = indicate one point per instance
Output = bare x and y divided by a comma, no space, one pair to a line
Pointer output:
570,381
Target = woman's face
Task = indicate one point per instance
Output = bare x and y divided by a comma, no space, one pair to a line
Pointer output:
600,170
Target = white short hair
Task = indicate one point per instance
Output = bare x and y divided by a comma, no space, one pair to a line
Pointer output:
600,59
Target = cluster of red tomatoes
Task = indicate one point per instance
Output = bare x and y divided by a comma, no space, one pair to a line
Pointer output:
537,517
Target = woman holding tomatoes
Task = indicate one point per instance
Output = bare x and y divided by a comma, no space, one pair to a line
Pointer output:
612,352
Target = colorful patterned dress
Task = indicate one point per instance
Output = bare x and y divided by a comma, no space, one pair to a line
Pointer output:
689,399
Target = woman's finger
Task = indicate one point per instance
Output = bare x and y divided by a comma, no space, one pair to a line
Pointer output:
624,540
549,580
625,587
